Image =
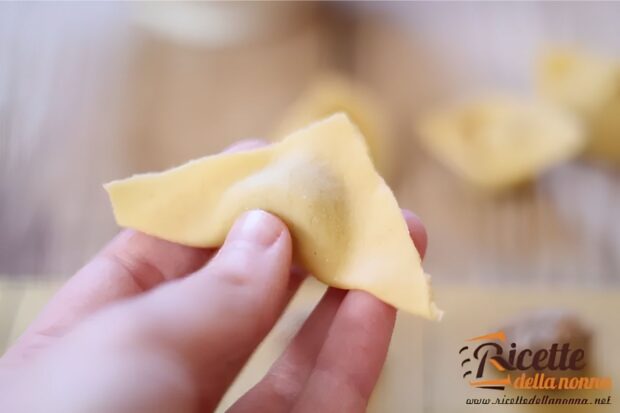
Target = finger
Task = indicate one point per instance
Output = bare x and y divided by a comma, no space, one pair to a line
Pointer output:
417,231
130,264
351,358
316,345
279,389
212,320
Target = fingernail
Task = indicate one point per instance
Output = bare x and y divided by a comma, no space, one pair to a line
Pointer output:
258,227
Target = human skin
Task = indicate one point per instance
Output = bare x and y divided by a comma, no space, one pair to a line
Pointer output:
152,326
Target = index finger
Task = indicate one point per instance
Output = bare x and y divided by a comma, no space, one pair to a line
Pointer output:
130,264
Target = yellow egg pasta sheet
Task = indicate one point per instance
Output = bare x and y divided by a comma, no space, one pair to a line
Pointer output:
347,227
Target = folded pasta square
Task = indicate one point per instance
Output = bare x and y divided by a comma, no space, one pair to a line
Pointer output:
500,141
347,228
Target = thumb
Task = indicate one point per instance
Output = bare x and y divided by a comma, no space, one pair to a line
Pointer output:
211,321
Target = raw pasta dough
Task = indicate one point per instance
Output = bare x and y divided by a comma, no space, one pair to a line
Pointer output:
501,141
347,228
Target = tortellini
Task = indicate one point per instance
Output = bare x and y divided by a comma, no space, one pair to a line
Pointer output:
500,141
347,228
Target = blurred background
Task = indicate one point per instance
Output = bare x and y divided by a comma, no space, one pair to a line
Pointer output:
91,92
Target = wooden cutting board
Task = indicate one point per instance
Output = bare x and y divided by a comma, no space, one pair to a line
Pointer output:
422,372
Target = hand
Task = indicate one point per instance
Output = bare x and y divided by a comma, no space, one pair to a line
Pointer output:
152,326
